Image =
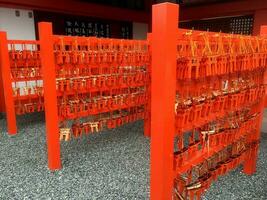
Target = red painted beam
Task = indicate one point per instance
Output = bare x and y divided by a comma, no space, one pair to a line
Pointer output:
239,7
79,8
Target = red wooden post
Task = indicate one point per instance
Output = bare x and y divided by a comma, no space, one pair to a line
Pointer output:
251,163
7,85
50,95
163,91
263,33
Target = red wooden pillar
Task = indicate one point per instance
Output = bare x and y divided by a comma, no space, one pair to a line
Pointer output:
50,95
7,85
163,91
251,162
263,33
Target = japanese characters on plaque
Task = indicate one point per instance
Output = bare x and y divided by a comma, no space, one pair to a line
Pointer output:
125,32
80,28
237,25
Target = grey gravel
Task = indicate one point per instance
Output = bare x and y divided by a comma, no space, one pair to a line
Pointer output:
111,165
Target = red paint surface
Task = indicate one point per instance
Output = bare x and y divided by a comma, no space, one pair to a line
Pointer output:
163,87
7,85
50,96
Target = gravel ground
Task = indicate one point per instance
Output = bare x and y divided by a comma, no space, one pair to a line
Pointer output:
110,165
